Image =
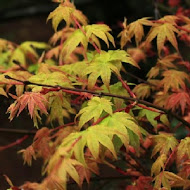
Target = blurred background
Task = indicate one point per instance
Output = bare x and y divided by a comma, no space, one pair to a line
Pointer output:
25,20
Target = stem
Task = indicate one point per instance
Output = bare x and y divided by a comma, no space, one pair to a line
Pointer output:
106,94
125,85
18,141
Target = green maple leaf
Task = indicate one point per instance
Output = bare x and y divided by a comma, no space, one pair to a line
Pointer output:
101,31
151,117
123,123
158,164
73,41
74,68
118,89
94,109
59,106
20,53
55,78
102,65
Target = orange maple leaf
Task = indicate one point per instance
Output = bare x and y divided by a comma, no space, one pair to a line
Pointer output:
31,99
163,31
176,100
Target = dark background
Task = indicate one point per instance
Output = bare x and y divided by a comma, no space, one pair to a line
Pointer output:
25,20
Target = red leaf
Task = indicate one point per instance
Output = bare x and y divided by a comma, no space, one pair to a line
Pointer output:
32,99
176,100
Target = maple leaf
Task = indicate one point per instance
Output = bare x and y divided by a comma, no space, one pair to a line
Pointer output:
153,72
166,62
161,98
73,41
65,166
158,164
178,100
20,75
2,92
65,11
164,142
118,89
142,90
101,31
57,102
151,115
136,28
74,68
94,109
27,50
55,78
133,29
163,32
183,148
61,34
34,101
123,122
124,34
28,154
166,179
103,64
173,79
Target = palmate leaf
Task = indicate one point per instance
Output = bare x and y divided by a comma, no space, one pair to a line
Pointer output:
34,102
102,65
94,138
65,11
164,142
118,89
73,41
136,28
133,29
166,179
163,32
123,123
101,31
178,100
27,50
158,165
173,80
151,117
183,148
142,90
94,109
55,78
59,106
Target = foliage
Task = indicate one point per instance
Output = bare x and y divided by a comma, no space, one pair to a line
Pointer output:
110,119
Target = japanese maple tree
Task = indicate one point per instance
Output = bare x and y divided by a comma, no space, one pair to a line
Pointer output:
91,114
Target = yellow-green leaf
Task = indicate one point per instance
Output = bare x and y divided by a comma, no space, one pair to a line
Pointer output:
164,143
65,11
94,109
158,164
101,31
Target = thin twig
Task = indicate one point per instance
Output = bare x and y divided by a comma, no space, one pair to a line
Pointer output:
105,94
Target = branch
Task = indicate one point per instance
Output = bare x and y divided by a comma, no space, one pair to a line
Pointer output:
104,94
18,141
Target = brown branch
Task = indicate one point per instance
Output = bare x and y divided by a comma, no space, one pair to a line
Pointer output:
105,94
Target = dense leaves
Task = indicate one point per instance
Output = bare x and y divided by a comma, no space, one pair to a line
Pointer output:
91,109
